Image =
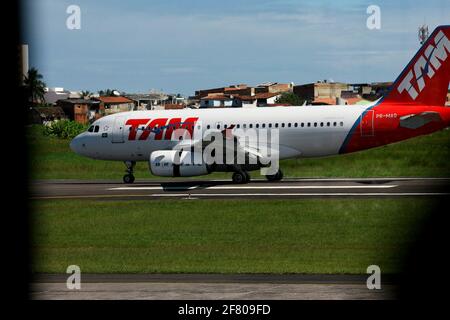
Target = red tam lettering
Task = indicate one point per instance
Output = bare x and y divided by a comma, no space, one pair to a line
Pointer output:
189,125
153,126
135,123
173,124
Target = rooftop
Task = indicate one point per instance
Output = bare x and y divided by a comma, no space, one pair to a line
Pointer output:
114,99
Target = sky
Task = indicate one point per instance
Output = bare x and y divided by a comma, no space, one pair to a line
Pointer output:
180,46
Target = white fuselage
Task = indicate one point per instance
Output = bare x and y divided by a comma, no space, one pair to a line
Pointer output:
304,131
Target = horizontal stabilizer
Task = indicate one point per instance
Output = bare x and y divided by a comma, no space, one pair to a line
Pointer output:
414,121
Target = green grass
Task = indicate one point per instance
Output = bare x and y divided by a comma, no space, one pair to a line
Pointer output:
218,236
51,158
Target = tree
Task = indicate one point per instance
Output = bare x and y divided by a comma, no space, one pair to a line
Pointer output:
106,92
290,98
85,93
34,87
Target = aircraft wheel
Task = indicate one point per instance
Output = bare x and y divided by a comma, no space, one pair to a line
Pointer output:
247,177
239,177
128,178
275,177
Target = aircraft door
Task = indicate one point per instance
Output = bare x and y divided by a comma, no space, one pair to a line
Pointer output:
367,124
118,130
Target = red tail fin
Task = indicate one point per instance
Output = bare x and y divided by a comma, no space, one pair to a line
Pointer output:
426,78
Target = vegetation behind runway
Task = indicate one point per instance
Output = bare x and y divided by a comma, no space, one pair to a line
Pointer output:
234,236
51,158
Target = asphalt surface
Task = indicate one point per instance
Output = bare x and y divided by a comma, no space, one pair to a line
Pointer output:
224,189
212,287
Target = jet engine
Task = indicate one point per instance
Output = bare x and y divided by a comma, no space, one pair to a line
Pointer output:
176,163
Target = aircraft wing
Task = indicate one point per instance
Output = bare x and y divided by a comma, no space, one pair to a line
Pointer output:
249,148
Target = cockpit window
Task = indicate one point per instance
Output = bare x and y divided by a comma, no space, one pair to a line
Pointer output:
91,129
96,128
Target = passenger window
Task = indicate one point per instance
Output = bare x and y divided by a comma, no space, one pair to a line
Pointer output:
328,124
96,128
250,125
276,125
244,126
321,124
289,125
282,125
315,124
91,129
270,125
334,124
302,125
218,126
296,124
208,126
263,125
238,126
342,124
224,126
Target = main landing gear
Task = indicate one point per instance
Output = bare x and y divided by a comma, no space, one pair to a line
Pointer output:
129,177
241,177
275,177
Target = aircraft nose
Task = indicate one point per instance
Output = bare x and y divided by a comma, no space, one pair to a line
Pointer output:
78,145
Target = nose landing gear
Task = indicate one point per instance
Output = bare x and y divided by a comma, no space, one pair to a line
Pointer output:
129,177
241,177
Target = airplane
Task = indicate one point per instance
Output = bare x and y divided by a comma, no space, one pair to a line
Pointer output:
413,106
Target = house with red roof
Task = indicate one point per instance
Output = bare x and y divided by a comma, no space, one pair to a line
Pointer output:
115,104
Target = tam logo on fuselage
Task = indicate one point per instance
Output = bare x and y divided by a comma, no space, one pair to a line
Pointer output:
433,55
163,128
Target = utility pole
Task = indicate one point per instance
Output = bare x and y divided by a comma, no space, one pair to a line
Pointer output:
423,34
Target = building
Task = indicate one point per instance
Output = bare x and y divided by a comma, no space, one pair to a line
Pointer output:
267,98
360,88
51,95
45,115
115,104
147,101
274,87
224,90
319,90
174,106
381,88
81,110
217,101
245,102
238,101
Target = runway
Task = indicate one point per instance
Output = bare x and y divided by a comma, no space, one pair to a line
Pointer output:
299,188
213,287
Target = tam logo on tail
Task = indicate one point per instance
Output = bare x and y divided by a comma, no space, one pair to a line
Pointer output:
425,80
432,54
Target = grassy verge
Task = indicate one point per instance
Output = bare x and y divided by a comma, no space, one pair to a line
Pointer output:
51,158
288,236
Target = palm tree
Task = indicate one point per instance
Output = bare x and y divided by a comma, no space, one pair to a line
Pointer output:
34,86
106,93
86,94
